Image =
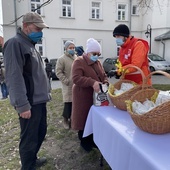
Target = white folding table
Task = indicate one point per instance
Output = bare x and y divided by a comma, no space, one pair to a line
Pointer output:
123,145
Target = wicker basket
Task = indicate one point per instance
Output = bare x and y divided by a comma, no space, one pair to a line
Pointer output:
155,121
119,100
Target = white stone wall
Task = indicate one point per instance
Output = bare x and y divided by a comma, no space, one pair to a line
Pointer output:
80,27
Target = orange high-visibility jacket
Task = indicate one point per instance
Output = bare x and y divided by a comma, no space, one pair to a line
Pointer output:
134,53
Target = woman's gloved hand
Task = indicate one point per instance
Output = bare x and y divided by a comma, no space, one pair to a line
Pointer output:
111,73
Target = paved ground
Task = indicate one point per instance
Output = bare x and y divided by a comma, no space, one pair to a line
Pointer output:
156,79
160,79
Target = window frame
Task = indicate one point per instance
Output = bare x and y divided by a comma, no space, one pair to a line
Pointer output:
71,7
117,50
39,11
42,45
95,9
100,42
121,11
136,10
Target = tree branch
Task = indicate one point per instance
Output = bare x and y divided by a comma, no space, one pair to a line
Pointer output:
42,5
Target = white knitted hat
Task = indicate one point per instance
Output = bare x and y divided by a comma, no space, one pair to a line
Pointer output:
92,46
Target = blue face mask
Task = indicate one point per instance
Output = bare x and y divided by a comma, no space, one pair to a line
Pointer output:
35,36
119,41
94,57
71,52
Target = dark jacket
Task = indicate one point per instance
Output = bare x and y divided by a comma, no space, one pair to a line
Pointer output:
25,75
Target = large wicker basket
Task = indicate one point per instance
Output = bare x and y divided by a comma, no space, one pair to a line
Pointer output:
155,121
119,100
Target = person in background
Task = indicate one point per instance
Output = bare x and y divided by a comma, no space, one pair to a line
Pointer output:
133,52
79,50
87,74
48,68
29,88
4,89
63,72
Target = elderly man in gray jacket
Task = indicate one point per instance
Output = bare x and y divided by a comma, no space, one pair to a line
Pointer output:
29,88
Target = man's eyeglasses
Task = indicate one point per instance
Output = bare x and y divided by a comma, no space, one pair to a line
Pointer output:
98,54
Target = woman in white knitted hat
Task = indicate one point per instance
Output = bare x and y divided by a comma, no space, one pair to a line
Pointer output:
87,74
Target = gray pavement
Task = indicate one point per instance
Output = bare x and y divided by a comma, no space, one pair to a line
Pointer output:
156,79
55,84
160,79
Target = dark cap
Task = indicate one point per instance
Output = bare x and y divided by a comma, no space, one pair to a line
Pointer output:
46,60
79,50
34,18
121,30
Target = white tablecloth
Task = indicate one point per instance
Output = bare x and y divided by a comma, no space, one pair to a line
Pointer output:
123,145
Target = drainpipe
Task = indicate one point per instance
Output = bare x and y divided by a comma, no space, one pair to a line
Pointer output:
15,14
130,10
163,48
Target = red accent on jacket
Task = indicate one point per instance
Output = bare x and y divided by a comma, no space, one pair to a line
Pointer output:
134,52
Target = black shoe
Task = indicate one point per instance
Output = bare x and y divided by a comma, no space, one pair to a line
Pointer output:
86,147
41,161
80,134
94,145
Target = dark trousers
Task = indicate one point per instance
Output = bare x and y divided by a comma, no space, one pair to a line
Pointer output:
4,90
67,110
33,132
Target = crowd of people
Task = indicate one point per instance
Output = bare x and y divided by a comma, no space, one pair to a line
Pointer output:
80,73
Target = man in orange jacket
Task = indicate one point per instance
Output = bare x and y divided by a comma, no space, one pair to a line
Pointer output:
133,52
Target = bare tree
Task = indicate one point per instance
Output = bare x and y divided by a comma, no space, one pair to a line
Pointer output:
149,4
42,5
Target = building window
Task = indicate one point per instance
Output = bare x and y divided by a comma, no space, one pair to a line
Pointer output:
39,48
100,42
35,4
135,10
67,8
96,10
118,49
122,12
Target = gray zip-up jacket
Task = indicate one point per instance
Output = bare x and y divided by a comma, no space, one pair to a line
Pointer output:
26,77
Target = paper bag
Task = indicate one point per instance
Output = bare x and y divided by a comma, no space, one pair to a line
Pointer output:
101,98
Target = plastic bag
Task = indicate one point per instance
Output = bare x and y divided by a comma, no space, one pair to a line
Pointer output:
101,98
